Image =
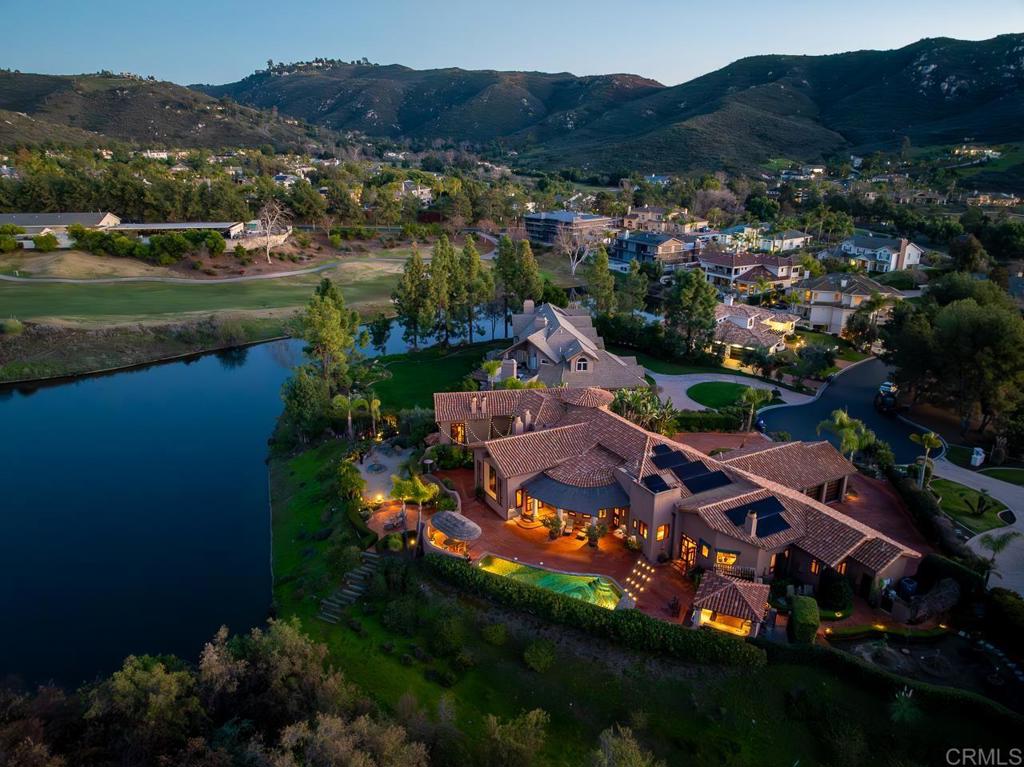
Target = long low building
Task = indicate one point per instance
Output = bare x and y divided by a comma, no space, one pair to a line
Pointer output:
229,229
58,223
757,515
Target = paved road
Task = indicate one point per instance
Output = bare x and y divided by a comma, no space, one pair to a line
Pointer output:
855,391
674,387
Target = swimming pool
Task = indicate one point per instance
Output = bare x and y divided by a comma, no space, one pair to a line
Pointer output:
595,589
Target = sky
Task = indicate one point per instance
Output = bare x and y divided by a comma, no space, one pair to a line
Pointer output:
218,41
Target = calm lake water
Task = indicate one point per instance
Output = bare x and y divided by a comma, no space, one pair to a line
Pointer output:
134,511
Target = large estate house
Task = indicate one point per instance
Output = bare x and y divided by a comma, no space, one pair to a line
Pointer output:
650,247
827,302
756,515
560,347
745,272
546,227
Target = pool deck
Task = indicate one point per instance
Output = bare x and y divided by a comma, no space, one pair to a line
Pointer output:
532,546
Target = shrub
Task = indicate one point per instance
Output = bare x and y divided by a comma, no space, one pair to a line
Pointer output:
1004,619
453,457
707,420
495,634
935,567
540,655
393,542
446,503
631,628
804,620
7,243
11,327
335,240
45,242
834,591
447,636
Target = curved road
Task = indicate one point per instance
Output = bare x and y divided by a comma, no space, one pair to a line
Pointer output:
855,391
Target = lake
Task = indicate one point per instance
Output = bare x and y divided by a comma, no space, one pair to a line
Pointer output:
134,510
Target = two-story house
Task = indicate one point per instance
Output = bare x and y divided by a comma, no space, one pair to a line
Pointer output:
546,227
560,347
826,302
648,247
781,242
744,272
741,328
878,254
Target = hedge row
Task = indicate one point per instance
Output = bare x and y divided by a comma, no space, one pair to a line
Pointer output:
904,634
1004,619
707,420
929,519
367,537
631,628
804,620
884,682
935,567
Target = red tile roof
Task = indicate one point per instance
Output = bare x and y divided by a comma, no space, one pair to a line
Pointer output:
731,596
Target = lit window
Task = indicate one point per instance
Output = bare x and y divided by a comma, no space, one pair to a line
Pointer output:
519,498
841,569
815,567
581,365
661,533
492,481
458,433
641,528
726,557
705,550
602,513
772,562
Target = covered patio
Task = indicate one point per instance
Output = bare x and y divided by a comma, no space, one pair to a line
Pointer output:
577,507
451,532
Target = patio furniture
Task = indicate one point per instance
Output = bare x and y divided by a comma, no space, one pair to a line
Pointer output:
581,535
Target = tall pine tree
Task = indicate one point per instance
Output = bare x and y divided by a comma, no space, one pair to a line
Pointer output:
600,282
690,310
444,284
413,300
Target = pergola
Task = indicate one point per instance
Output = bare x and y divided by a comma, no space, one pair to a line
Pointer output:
452,532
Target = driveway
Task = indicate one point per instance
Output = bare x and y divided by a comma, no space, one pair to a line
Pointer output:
854,390
674,387
1009,563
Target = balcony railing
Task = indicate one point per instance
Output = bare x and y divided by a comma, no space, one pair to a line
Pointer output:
736,571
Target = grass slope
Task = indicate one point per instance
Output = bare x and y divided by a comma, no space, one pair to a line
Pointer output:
417,375
954,500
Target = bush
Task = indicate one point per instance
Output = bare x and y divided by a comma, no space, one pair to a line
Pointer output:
540,655
631,628
1004,619
44,243
447,635
935,567
446,503
707,420
804,620
8,243
11,327
495,634
453,457
834,591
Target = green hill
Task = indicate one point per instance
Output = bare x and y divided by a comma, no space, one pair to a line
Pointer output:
806,107
84,109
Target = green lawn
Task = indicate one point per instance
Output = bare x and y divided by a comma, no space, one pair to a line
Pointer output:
716,394
954,499
363,285
844,351
417,375
1013,476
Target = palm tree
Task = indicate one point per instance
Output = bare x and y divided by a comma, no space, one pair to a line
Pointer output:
371,406
343,407
929,441
421,492
402,490
491,368
853,434
997,545
753,399
874,304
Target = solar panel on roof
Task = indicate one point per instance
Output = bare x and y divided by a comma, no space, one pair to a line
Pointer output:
706,481
690,470
674,458
771,525
655,484
768,512
661,448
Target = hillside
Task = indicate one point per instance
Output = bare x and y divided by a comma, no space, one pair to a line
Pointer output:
805,107
86,109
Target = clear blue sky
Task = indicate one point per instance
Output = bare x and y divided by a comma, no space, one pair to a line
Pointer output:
217,41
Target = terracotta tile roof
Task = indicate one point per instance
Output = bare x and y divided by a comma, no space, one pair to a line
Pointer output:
746,259
799,465
594,468
876,553
588,397
714,516
538,450
457,405
733,597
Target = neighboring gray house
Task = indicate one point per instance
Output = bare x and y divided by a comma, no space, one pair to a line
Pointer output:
877,254
546,227
560,347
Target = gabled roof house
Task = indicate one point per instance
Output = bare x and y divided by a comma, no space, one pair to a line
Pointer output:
560,347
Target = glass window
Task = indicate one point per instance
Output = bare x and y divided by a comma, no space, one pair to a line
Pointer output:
815,567
458,433
581,364
519,498
492,481
661,533
641,528
705,550
726,557
841,569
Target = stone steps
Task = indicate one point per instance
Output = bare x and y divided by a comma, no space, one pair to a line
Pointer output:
333,606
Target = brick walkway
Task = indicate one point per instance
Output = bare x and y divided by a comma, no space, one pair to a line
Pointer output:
533,546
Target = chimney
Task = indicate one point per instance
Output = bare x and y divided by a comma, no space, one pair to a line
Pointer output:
517,426
843,282
472,404
483,404
527,418
729,300
528,306
750,524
